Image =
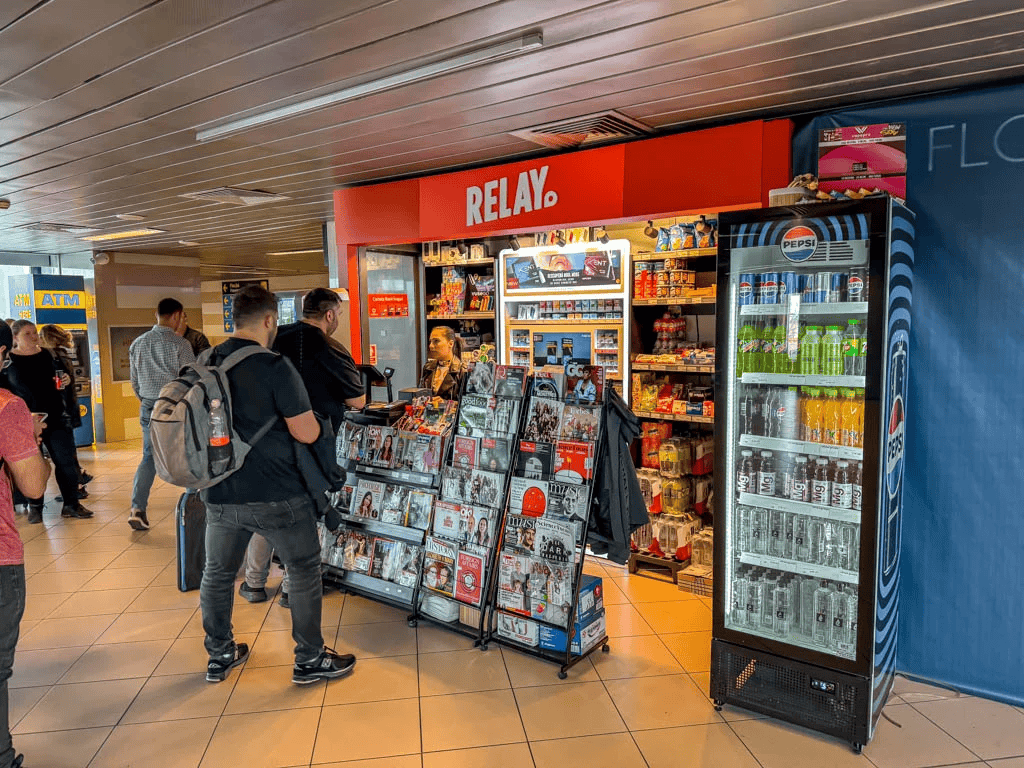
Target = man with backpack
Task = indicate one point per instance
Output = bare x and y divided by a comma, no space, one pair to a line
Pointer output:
269,410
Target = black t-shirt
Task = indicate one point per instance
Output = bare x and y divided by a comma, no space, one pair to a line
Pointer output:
262,386
31,378
328,370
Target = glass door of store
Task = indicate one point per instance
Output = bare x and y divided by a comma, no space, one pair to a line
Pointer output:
390,287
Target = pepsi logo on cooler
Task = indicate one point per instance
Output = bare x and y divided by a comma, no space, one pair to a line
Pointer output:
894,447
799,243
746,288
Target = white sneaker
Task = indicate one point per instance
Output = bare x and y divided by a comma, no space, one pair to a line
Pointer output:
138,520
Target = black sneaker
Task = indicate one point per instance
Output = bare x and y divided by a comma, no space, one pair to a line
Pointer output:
283,600
327,666
76,510
252,595
138,520
217,670
17,761
82,493
86,478
35,513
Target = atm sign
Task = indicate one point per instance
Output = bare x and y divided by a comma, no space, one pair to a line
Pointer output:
60,300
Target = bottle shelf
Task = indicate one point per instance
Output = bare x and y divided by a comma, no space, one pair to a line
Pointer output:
823,572
688,253
674,367
799,641
801,446
674,417
805,380
808,310
833,514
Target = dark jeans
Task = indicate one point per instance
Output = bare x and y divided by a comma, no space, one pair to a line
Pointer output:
12,606
146,473
60,443
290,527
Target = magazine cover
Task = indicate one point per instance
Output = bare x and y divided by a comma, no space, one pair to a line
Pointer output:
513,583
455,484
543,420
574,461
344,503
424,454
355,436
395,505
550,591
520,534
384,457
555,541
403,456
536,461
548,385
409,560
510,381
479,526
485,488
519,629
568,501
465,452
334,548
469,576
579,422
421,504
506,415
368,498
382,560
476,415
439,566
586,387
357,552
448,520
480,380
348,434
372,441
528,497
494,454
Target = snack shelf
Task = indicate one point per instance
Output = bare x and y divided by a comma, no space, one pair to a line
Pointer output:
674,367
823,572
802,446
839,308
674,417
805,380
833,514
678,301
688,253
488,315
464,263
405,533
609,321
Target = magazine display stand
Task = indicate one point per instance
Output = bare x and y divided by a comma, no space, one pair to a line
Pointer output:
460,547
387,503
541,603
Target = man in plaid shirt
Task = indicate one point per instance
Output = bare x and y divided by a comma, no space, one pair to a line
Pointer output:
156,358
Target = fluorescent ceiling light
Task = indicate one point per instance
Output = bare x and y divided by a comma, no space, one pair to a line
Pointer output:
129,217
122,235
192,243
295,253
471,58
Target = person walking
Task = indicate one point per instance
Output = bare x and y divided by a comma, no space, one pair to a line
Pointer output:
40,382
156,357
57,341
266,495
334,385
24,465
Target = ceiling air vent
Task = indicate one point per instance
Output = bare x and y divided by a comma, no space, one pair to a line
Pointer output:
50,226
598,128
235,196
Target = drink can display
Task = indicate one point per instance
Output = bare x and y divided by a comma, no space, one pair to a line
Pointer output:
789,285
822,287
768,288
837,288
857,285
807,289
747,289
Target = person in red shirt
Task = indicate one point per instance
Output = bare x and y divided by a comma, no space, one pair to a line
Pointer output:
24,465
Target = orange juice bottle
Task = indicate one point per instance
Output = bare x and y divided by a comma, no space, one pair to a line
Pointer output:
852,419
832,418
814,416
859,395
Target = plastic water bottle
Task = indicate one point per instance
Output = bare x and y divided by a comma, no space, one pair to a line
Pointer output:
766,475
848,547
840,619
800,488
758,531
856,487
783,599
842,486
738,614
810,351
815,541
852,338
822,615
220,439
742,528
747,477
830,551
787,413
832,352
755,593
801,544
821,484
808,587
777,533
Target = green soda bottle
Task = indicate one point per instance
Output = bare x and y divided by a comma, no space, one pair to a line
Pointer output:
780,358
767,346
810,351
745,341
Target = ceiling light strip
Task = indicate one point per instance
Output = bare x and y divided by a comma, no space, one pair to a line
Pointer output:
296,253
122,235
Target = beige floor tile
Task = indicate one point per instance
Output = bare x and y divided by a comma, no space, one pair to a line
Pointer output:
462,672
612,749
699,746
245,620
505,756
691,649
625,621
80,705
359,610
1013,762
372,730
35,668
582,709
80,561
397,761
680,616
95,603
640,656
117,661
115,544
264,740
612,594
188,656
41,606
180,697
989,729
378,639
58,528
650,589
433,639
493,714
779,745
21,700
139,557
156,598
122,578
661,702
168,577
528,671
156,744
49,583
65,633
44,545
278,618
62,749
917,743
265,689
376,679
913,692
272,649
147,625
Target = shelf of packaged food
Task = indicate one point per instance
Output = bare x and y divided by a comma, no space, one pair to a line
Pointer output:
678,301
386,591
412,535
839,308
519,349
801,446
688,253
674,367
397,475
489,315
464,263
834,514
674,417
547,321
804,380
789,639
823,572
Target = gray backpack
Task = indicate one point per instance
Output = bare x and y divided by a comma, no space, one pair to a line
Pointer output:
179,429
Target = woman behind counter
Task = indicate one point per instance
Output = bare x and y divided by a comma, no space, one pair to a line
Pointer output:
443,373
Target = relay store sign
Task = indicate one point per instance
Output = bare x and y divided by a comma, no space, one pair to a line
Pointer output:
492,201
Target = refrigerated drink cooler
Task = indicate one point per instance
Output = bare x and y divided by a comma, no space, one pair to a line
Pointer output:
813,329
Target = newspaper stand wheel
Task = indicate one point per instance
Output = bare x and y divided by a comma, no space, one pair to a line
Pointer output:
412,621
484,646
606,648
562,674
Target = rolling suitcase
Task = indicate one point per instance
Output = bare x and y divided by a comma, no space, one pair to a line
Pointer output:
191,528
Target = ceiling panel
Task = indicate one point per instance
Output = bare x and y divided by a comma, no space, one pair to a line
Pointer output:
100,99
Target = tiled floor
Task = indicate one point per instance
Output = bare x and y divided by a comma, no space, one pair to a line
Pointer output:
110,673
